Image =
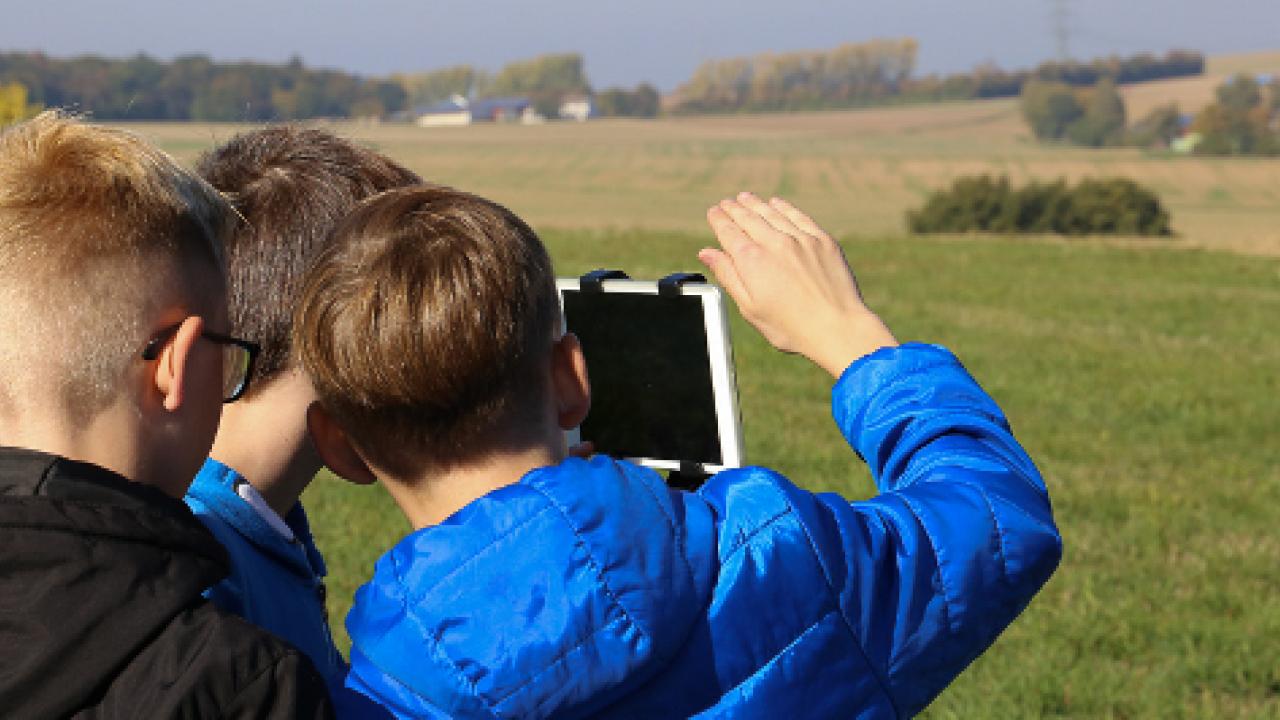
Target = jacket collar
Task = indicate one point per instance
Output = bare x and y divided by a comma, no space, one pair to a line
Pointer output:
215,487
32,472
95,499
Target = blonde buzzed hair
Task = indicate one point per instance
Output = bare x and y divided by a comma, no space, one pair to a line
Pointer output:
99,231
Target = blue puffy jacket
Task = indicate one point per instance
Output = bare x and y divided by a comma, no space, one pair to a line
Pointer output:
591,589
275,583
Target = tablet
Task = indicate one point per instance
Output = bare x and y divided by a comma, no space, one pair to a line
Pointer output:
663,392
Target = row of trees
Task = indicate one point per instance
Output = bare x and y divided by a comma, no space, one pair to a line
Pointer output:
196,88
546,80
849,75
990,81
643,101
1137,68
880,72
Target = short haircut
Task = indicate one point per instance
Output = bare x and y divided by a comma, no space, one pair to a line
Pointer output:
291,184
427,326
99,231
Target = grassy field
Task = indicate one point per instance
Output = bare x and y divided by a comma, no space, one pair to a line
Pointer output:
1143,377
1143,382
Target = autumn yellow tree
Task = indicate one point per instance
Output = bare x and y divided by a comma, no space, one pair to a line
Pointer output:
13,103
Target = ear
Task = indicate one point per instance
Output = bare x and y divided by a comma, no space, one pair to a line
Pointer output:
570,386
335,448
173,366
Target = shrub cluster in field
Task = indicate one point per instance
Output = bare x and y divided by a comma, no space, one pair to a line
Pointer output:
1115,206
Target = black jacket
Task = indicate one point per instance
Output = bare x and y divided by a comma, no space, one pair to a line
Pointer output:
101,614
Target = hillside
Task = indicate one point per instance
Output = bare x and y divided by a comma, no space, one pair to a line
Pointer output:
1192,94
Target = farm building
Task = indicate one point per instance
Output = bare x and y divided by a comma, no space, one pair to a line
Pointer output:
508,109
454,111
576,107
458,110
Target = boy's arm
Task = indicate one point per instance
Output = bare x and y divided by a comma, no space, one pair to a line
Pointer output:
931,570
961,536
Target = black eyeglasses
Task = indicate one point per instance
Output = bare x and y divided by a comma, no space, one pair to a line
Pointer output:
237,359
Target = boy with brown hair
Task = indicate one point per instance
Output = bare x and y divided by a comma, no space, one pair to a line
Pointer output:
112,322
536,585
290,185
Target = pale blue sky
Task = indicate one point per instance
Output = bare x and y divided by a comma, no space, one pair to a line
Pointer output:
660,41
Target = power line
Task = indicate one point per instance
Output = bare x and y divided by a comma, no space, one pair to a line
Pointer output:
1061,17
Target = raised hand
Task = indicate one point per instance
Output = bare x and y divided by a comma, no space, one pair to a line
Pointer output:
791,281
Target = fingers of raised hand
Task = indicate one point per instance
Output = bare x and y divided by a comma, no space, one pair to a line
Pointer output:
726,273
728,232
744,212
777,220
797,218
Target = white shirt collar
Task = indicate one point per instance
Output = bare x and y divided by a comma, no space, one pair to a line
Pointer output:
250,494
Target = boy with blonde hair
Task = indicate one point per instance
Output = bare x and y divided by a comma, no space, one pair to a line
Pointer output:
112,322
536,585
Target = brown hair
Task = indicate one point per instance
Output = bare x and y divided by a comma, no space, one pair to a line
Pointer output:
98,231
291,185
427,325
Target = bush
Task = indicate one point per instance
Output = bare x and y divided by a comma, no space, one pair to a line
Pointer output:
1113,206
1050,108
1158,128
1092,117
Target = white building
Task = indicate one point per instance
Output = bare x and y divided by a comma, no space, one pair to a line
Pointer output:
576,107
448,113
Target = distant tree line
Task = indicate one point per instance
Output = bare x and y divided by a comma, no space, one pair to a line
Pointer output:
880,72
989,81
431,87
644,101
849,75
546,80
194,87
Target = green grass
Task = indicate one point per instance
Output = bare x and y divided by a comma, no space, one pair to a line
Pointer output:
1143,381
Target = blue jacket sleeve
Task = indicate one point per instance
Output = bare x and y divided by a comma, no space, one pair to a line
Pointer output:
961,536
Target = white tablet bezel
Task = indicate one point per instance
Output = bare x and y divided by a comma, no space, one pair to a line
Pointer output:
719,353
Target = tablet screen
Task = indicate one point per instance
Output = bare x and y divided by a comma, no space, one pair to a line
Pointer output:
651,391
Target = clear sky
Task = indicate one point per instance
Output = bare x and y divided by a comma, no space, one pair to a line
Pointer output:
660,41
